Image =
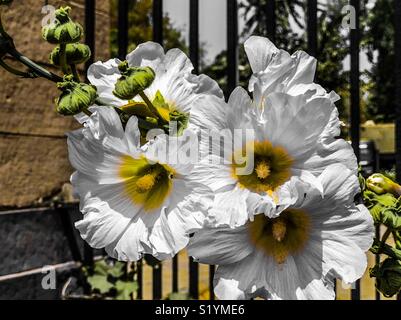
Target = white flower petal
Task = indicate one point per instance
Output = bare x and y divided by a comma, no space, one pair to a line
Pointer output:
185,213
240,280
230,208
104,76
343,258
294,124
357,225
213,173
145,53
260,51
220,246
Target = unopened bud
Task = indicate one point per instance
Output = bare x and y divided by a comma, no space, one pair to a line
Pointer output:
380,184
133,80
76,53
75,97
63,29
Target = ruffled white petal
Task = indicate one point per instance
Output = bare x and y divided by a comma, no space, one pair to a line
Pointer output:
294,124
260,52
104,76
220,246
185,214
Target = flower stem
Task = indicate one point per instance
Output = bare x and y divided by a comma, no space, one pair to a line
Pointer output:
384,238
151,106
34,67
15,71
7,46
75,73
63,58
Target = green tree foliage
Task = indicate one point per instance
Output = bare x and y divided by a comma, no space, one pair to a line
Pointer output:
256,21
379,43
140,27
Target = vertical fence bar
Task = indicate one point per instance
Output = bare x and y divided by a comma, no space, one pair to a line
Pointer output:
232,45
139,278
397,15
123,8
212,269
90,21
312,27
377,260
194,33
193,279
157,271
271,19
354,79
194,56
397,46
174,267
158,21
355,102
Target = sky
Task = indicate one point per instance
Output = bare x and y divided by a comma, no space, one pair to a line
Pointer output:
212,22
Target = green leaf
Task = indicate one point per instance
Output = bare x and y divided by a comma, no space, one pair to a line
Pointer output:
125,289
159,101
100,283
101,268
118,270
178,296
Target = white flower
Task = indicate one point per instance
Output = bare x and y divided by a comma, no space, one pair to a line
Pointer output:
133,202
297,254
276,70
184,93
295,125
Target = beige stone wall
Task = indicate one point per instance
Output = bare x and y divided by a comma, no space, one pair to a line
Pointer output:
33,154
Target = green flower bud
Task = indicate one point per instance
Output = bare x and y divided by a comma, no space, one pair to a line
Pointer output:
388,277
76,53
6,2
380,184
63,29
75,97
133,80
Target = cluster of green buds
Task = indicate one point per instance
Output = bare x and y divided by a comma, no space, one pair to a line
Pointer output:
382,196
75,97
65,33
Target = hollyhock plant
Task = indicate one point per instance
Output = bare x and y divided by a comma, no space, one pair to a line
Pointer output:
297,254
296,128
268,196
133,201
176,93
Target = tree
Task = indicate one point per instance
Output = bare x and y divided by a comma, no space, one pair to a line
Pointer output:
140,27
378,41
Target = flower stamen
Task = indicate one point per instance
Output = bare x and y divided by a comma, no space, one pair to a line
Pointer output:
279,229
262,170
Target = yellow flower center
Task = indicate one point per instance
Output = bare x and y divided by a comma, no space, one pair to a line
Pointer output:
272,168
145,183
262,170
281,236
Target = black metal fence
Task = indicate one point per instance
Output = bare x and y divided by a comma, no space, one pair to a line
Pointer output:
232,81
